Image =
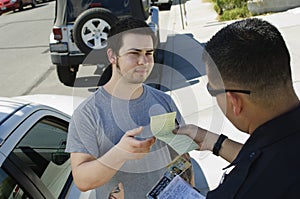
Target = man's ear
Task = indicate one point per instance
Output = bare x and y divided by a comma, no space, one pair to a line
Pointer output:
236,102
112,58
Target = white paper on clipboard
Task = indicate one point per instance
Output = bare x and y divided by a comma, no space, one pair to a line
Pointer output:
178,188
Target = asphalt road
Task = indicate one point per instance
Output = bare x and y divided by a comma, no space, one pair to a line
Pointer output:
24,51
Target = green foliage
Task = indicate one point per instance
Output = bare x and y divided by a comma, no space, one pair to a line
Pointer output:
217,9
235,13
231,9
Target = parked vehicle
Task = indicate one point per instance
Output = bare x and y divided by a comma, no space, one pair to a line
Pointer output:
80,31
12,5
32,158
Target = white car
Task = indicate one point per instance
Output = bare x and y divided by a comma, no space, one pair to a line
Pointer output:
32,142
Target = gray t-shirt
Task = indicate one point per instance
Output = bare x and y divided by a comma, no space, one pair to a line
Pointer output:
100,122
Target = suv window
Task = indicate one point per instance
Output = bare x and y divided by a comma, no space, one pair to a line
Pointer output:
75,7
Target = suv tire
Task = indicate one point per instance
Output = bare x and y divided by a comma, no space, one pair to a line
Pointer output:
88,39
67,74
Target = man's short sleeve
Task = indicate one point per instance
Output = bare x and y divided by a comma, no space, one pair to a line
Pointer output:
83,132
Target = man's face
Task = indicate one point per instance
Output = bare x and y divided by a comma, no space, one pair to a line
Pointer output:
135,58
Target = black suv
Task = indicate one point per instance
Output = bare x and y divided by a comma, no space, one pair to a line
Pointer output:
80,31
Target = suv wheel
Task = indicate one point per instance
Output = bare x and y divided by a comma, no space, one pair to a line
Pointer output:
67,74
91,29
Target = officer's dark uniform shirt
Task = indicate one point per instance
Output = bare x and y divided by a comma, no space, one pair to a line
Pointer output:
268,165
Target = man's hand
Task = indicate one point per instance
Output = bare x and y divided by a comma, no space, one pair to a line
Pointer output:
206,141
131,148
202,137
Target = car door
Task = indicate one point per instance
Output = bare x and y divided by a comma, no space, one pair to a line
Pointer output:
35,164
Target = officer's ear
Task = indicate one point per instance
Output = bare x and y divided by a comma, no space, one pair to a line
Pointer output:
236,102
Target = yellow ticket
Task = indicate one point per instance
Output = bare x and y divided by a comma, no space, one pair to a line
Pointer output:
162,126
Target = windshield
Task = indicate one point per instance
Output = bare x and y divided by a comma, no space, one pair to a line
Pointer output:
66,11
75,7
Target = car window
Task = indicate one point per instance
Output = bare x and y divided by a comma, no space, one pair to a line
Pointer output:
75,8
42,151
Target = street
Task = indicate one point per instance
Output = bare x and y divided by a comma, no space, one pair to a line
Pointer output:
24,49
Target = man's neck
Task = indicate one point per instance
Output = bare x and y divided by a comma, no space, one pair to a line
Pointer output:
269,114
125,91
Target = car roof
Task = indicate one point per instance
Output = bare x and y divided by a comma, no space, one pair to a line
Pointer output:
64,103
13,111
8,107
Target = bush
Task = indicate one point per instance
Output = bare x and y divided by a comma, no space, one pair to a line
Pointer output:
231,9
235,13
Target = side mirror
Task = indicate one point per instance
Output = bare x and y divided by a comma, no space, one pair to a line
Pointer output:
60,157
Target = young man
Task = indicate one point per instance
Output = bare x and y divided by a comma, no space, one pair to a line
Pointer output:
109,136
249,73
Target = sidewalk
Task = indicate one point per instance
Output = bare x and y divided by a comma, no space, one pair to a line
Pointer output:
195,16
